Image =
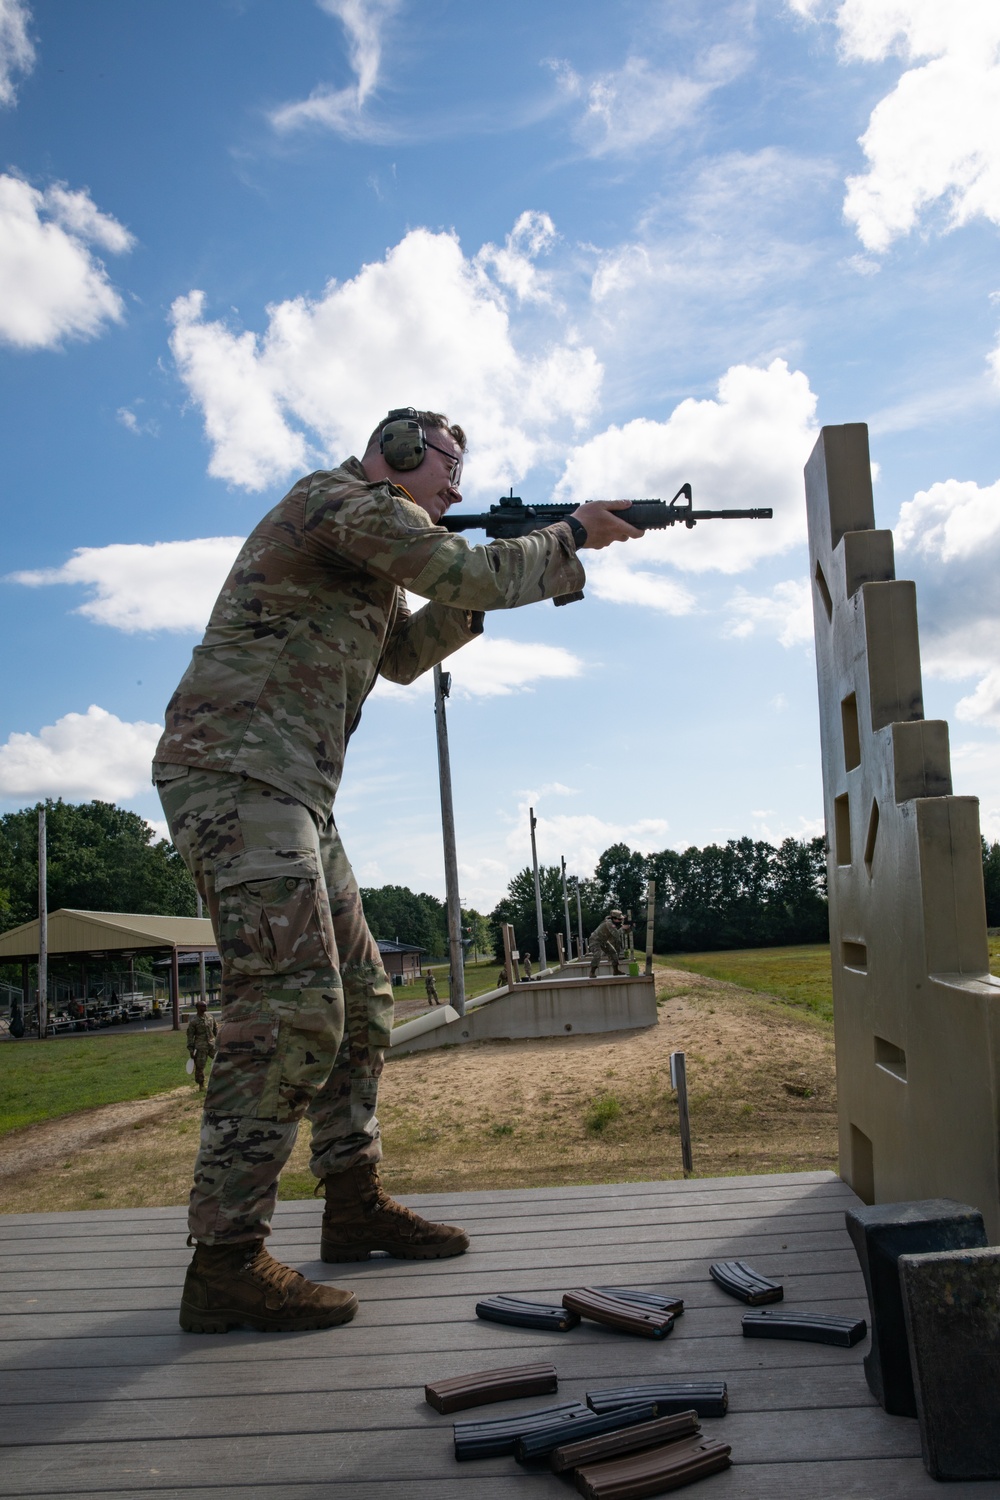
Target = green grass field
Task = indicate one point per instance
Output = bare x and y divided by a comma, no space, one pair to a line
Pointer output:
479,978
41,1081
799,976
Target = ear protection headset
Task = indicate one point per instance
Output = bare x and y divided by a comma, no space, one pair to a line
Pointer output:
402,442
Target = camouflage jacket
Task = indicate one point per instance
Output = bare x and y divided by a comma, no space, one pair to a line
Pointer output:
314,609
606,938
201,1033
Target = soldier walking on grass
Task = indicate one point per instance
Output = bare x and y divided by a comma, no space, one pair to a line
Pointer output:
605,942
247,769
431,988
202,1033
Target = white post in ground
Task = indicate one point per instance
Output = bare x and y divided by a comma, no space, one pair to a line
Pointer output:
569,934
542,960
43,930
456,987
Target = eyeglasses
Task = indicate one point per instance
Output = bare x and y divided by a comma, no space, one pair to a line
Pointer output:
456,463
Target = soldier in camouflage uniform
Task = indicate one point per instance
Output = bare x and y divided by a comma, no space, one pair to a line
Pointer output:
605,942
432,990
201,1037
247,770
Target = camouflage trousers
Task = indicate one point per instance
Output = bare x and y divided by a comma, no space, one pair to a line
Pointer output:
200,1057
597,951
306,1004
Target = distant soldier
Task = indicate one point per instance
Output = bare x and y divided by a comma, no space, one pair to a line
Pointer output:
431,988
527,966
201,1036
605,943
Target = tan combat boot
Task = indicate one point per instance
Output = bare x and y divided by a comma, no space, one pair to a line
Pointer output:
230,1285
361,1217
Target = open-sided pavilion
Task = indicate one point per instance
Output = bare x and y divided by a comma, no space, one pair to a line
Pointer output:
88,936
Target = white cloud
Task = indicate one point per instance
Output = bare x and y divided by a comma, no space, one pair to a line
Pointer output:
52,286
952,521
491,667
744,450
982,706
630,106
161,586
342,110
934,140
17,55
785,613
730,237
86,755
975,768
425,327
514,265
610,576
952,532
581,837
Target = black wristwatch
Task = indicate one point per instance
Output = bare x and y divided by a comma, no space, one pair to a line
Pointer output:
579,531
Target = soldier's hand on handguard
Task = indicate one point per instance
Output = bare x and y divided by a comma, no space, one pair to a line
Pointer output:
602,526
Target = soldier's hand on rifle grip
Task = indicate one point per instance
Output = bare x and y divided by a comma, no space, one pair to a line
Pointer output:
601,524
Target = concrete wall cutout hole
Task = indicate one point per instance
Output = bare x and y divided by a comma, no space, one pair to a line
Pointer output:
862,1166
852,738
824,592
842,828
872,836
855,956
890,1058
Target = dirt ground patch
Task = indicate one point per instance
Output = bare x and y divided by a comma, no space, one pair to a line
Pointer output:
507,1114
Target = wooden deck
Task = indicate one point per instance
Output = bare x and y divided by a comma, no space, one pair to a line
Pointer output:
102,1394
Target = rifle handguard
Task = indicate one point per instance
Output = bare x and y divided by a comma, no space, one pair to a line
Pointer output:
709,1398
653,1472
810,1328
615,1312
742,1281
521,1314
625,1440
672,1305
533,1446
491,1385
491,1439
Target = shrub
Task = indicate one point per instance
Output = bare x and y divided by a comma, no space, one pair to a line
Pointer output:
602,1112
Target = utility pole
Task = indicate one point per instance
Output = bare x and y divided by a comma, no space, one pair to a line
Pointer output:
442,687
201,954
579,918
43,931
542,960
569,935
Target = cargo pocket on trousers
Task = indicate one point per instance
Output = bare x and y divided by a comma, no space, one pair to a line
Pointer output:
274,916
246,1074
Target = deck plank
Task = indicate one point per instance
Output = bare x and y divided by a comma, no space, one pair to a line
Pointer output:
105,1396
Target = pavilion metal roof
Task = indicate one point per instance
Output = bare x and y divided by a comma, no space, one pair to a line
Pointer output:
99,932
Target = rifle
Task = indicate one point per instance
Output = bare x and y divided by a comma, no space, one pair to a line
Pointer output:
511,517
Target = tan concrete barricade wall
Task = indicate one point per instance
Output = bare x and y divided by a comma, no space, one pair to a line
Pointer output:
916,1012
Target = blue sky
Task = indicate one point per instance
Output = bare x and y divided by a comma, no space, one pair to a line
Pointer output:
625,247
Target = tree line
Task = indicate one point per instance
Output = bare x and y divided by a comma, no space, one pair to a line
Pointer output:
741,894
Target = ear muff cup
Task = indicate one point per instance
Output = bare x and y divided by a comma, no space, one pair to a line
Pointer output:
402,442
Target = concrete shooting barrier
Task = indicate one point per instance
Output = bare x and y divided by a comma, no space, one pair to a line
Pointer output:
541,1007
916,1010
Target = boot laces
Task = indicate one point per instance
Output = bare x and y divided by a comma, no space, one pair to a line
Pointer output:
271,1273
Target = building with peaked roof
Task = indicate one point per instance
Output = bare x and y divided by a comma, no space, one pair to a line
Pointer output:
89,935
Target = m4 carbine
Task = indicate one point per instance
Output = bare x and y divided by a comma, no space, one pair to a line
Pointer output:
511,517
